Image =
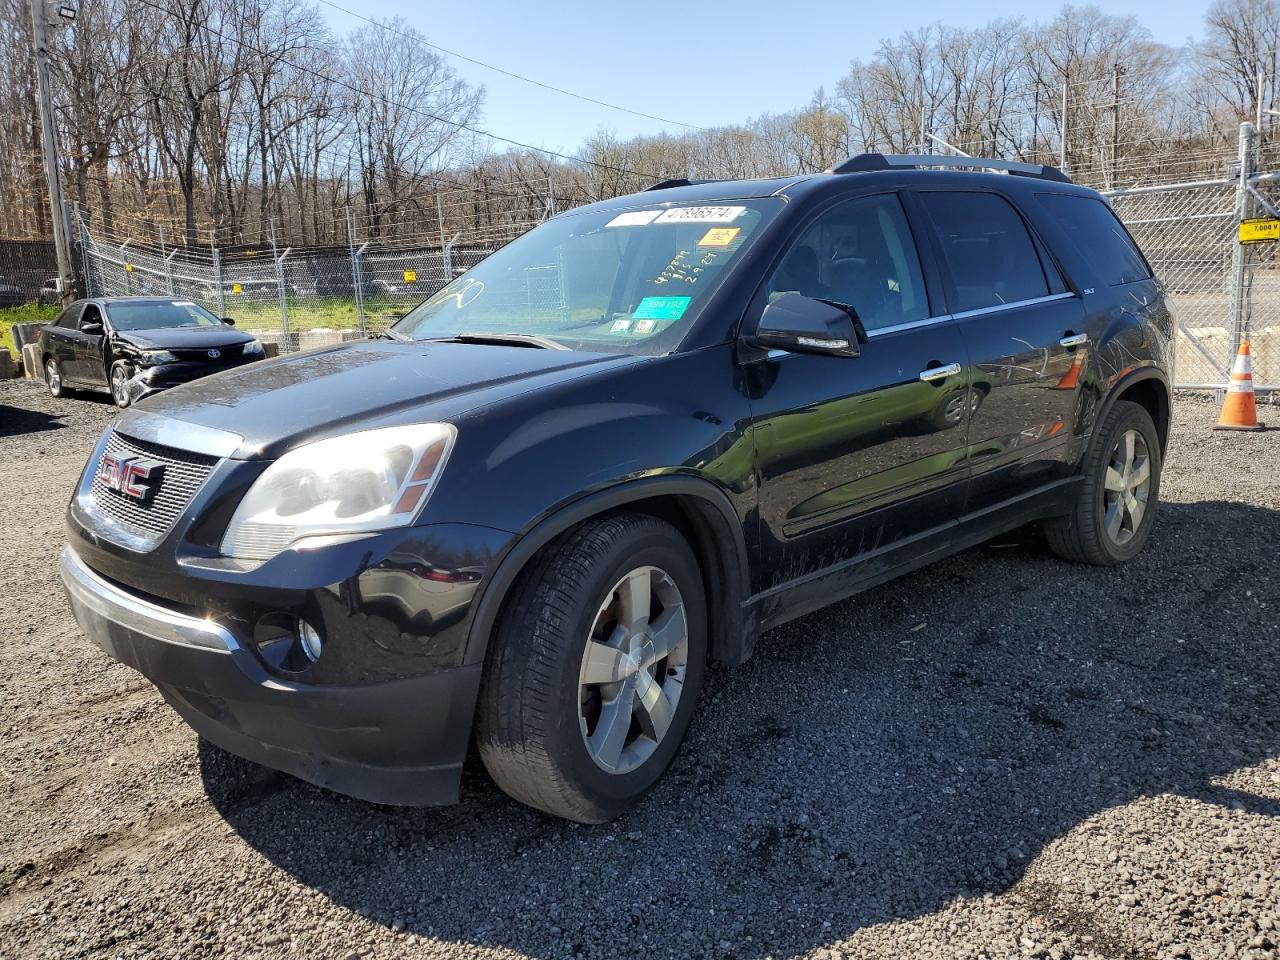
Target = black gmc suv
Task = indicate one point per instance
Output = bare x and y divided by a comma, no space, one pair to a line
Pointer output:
623,445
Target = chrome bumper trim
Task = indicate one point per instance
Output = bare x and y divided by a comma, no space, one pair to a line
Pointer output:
98,604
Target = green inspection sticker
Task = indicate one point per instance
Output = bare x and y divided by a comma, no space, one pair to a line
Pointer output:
661,308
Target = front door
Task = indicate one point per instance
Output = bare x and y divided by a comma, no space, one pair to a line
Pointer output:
89,358
1024,331
856,454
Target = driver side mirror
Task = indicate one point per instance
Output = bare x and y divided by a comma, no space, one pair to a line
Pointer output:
92,329
228,321
801,324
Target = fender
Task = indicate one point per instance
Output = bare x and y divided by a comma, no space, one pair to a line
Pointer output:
1123,382
718,542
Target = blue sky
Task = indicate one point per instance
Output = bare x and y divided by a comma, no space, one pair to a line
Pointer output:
700,63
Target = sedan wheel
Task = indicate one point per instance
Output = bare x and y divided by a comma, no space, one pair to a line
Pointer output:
53,377
120,383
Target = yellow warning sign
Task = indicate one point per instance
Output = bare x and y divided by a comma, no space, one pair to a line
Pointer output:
411,276
719,236
236,288
1260,231
128,268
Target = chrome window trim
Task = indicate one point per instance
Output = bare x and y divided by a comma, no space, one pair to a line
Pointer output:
999,307
95,600
909,325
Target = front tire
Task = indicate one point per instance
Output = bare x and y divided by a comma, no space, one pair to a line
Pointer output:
118,379
1116,504
595,668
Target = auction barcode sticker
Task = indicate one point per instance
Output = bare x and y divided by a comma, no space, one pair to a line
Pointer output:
701,215
634,218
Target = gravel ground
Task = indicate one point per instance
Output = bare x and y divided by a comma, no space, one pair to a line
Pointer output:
1001,756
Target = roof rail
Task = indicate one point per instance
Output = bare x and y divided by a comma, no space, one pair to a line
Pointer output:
677,182
865,162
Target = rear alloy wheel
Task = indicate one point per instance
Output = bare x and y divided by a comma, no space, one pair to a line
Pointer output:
53,377
120,375
1116,503
594,669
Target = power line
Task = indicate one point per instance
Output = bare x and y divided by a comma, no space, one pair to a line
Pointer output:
422,41
403,106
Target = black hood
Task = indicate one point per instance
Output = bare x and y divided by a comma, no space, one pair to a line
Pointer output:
273,405
184,338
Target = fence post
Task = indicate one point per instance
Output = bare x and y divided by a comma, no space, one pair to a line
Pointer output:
284,298
448,259
1240,305
219,284
124,267
357,284
85,239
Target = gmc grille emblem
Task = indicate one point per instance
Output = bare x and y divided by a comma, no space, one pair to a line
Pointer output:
135,477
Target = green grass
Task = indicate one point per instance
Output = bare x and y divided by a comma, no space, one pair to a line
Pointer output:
312,314
28,313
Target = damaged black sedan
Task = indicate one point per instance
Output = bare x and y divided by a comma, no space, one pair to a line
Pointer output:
132,347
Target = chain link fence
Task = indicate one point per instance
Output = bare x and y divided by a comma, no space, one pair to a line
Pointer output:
1225,291
297,298
304,297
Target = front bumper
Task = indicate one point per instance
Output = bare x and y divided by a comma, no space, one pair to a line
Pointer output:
150,380
395,742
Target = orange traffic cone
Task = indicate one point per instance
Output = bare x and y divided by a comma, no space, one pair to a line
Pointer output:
1071,379
1239,410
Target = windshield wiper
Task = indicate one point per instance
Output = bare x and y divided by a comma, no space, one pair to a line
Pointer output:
392,335
503,339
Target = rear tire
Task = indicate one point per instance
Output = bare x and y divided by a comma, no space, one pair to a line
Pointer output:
1116,504
585,700
53,378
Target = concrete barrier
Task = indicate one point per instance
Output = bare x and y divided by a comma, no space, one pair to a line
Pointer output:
8,369
270,349
32,367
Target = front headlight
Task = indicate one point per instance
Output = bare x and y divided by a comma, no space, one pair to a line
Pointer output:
373,480
152,357
252,349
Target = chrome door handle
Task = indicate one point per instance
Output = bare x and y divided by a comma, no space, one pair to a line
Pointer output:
1075,340
939,373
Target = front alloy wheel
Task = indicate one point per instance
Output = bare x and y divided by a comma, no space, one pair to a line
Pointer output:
633,669
120,383
594,669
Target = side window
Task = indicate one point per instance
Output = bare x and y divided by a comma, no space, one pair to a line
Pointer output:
860,253
91,315
988,249
1099,237
69,318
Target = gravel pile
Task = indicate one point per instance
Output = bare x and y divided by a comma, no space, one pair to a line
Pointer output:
1000,756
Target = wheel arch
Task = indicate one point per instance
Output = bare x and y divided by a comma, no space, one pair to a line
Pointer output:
1150,390
694,506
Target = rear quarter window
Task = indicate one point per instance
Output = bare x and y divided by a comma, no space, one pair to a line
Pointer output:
1099,237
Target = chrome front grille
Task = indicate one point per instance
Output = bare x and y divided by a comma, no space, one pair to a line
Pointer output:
151,519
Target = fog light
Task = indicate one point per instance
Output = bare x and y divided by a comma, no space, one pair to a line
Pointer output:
309,639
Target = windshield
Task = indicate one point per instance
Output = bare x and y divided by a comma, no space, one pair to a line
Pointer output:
630,282
160,313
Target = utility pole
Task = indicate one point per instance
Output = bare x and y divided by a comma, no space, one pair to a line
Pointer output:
1116,74
61,242
1062,144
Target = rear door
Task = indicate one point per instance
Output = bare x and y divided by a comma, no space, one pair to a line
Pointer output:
1024,331
61,337
857,454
